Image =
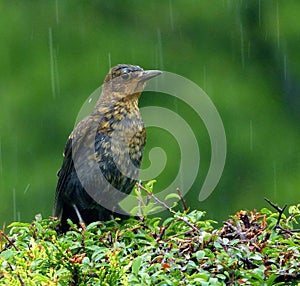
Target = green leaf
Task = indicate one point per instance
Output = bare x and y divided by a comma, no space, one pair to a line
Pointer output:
6,254
172,196
136,264
200,254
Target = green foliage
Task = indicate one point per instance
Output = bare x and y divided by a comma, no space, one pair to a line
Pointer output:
250,249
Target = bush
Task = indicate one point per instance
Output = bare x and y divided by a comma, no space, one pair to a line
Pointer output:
252,248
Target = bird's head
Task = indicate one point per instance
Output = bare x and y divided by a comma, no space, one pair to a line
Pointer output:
126,81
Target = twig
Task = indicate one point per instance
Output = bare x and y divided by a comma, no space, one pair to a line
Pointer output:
11,242
18,274
182,199
280,211
168,208
291,232
140,200
179,234
161,233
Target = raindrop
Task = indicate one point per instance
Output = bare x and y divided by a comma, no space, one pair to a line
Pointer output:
277,25
109,60
248,50
56,11
285,67
259,13
51,62
204,77
251,135
27,188
275,178
171,14
53,66
1,162
14,205
159,50
242,46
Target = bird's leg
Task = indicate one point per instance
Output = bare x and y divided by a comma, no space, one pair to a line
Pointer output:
81,221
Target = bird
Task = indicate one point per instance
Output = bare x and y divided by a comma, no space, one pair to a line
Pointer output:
103,153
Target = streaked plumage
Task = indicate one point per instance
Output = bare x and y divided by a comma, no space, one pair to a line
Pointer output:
104,152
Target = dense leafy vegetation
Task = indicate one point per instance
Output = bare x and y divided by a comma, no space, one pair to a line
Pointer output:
251,248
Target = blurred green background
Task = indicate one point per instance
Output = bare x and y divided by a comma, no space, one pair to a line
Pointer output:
244,54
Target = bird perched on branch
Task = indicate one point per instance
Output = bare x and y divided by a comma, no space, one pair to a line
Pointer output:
103,153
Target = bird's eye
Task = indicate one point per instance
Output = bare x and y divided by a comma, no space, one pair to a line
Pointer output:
125,75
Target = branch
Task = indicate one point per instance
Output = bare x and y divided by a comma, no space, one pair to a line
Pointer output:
10,242
168,208
185,208
280,211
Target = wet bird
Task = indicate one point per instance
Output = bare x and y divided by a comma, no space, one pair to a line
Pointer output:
103,153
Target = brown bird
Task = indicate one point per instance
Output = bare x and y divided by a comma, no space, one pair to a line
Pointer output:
103,154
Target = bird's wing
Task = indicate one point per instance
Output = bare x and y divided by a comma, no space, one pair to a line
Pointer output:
76,143
63,174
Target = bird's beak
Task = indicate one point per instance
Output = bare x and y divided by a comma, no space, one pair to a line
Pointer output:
146,75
